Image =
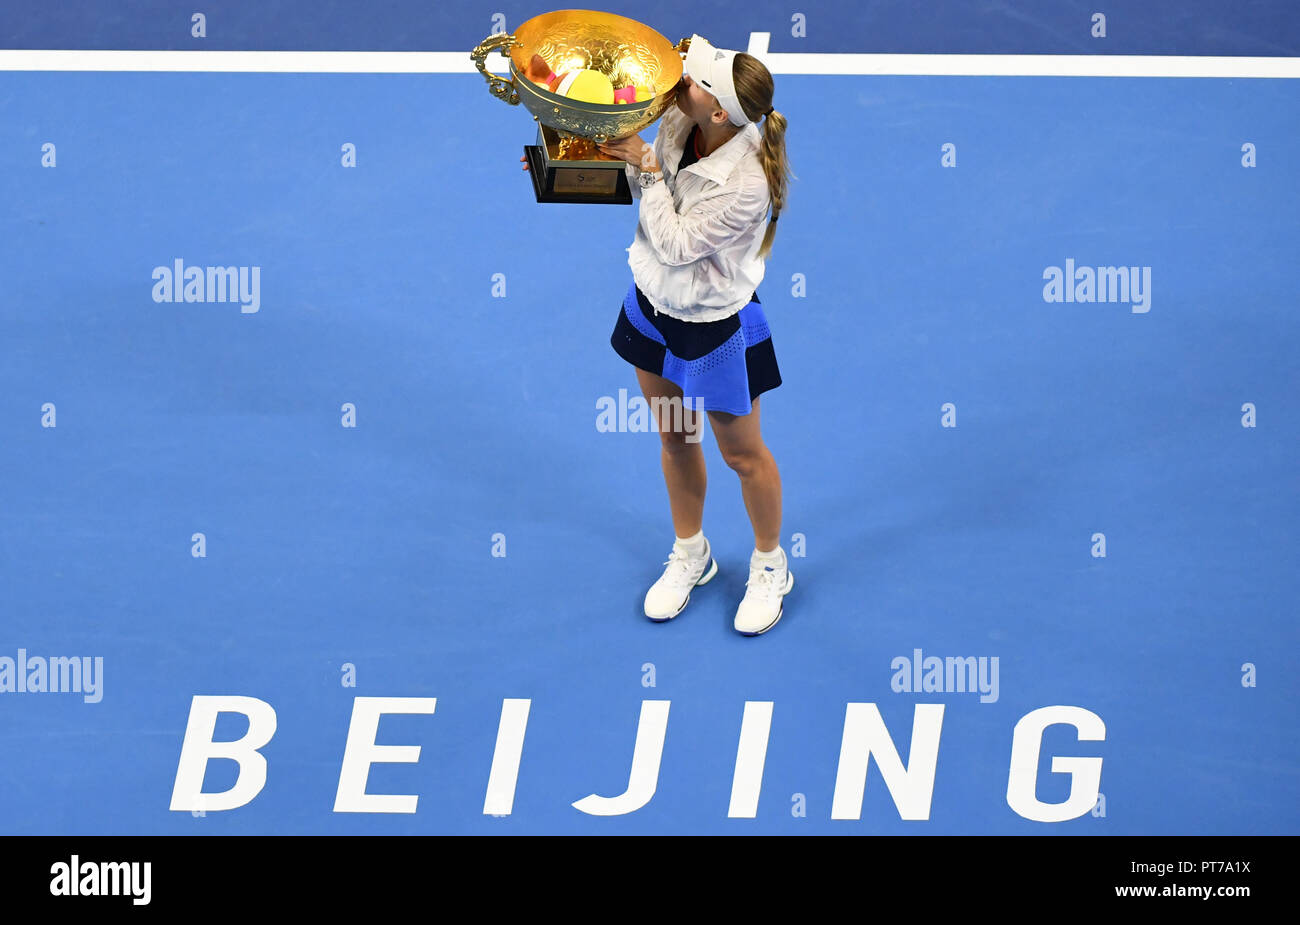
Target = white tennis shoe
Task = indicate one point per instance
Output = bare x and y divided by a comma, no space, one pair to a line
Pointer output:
764,593
669,595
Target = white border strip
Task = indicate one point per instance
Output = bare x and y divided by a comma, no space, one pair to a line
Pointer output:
450,62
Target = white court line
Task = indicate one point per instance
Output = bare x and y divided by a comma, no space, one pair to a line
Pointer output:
456,62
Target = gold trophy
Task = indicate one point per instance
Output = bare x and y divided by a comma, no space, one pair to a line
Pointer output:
634,61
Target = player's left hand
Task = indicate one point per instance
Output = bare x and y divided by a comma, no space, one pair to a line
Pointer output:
634,150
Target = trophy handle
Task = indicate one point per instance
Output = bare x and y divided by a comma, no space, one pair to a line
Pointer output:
683,46
499,87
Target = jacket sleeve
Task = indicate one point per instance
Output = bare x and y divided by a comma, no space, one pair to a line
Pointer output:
708,227
632,182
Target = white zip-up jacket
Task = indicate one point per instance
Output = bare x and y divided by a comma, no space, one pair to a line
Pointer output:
697,240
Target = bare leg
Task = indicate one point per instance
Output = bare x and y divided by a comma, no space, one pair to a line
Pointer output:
741,443
682,460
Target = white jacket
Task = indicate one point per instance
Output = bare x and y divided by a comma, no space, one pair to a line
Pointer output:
695,251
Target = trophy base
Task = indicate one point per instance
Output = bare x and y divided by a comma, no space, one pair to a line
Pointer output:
578,181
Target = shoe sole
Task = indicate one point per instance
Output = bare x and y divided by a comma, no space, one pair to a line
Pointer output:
704,579
780,611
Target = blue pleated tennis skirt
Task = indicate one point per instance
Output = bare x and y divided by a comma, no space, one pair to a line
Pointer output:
720,365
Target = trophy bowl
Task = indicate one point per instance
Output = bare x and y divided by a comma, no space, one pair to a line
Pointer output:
624,50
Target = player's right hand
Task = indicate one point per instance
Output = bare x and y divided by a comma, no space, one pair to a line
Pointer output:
525,160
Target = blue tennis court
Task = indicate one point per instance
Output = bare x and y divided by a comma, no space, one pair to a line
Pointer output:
375,468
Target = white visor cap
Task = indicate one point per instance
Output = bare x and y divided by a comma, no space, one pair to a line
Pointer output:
711,68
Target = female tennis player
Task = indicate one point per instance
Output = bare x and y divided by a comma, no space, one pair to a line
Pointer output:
691,323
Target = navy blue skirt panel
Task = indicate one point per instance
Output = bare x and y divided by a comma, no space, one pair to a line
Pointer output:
721,365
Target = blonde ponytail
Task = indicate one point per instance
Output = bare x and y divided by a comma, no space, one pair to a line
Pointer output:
754,88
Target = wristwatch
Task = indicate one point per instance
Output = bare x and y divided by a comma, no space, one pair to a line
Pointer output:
649,179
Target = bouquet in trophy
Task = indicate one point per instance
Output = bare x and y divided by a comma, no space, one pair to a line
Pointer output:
587,77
